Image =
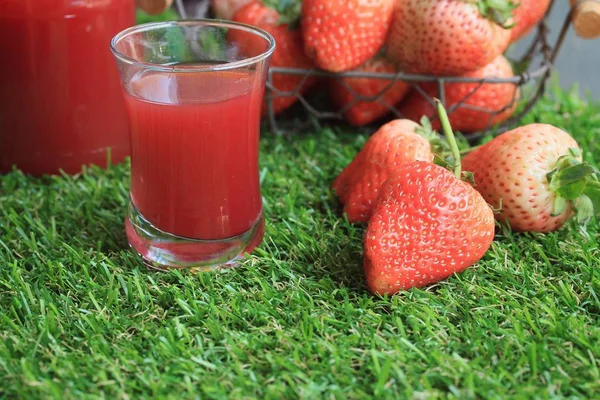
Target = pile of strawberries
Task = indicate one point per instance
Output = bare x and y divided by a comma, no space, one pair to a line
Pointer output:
429,214
462,38
426,223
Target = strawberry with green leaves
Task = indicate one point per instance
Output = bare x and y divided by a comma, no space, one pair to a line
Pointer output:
479,106
535,177
380,95
340,35
448,37
394,144
427,224
289,51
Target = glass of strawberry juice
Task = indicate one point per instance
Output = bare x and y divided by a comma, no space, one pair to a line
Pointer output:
193,92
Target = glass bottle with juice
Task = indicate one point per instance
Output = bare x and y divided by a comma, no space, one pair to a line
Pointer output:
61,104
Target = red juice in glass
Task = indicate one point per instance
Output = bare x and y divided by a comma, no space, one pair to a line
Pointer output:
61,103
194,170
193,93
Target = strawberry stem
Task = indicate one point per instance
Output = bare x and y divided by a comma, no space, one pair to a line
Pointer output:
443,115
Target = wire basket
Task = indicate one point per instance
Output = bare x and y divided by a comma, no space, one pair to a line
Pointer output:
539,58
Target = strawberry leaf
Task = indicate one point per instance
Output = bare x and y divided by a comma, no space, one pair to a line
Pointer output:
575,182
426,124
499,11
560,206
575,152
572,190
570,181
436,141
592,191
569,160
584,209
468,177
442,162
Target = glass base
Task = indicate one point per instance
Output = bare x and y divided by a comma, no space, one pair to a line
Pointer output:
162,251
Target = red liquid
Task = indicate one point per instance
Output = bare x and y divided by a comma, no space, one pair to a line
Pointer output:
61,104
195,140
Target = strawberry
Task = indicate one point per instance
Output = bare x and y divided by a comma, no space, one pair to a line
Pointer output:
340,35
226,9
448,37
288,53
348,92
427,224
484,105
527,14
535,176
393,145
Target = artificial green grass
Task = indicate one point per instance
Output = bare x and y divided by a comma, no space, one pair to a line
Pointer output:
80,317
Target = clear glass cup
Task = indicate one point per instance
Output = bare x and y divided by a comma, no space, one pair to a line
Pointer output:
193,92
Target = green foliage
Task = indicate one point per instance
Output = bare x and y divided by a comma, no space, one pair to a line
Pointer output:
80,317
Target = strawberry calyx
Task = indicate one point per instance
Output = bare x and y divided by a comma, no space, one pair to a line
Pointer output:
577,183
441,149
288,10
499,11
437,142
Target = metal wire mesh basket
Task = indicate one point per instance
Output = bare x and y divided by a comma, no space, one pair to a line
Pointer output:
531,82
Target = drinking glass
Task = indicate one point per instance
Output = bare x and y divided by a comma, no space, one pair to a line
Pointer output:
193,93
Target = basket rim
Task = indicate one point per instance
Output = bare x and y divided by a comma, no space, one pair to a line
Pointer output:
402,76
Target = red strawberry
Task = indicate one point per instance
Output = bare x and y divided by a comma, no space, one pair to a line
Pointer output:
288,53
226,9
393,145
512,173
447,37
494,103
345,91
426,226
527,15
340,35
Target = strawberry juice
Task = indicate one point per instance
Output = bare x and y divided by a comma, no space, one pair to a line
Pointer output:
61,104
195,139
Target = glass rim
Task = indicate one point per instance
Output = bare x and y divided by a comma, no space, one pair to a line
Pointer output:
192,68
